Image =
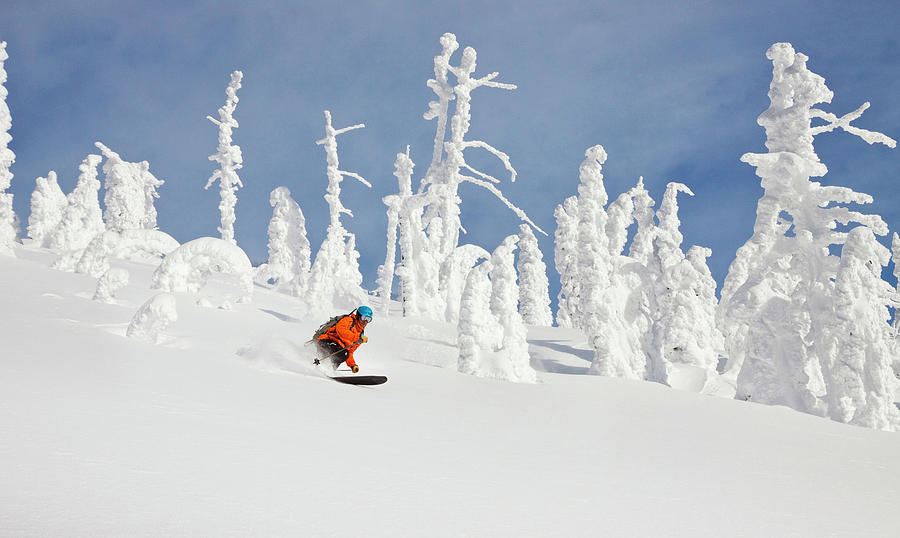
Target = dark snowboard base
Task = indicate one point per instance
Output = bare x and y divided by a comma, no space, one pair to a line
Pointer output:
360,379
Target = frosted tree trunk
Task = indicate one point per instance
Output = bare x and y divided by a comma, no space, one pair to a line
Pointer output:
229,158
534,287
8,228
47,206
403,169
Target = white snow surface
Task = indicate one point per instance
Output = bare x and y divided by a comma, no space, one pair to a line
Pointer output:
224,429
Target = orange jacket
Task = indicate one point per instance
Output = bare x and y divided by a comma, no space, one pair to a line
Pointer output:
348,333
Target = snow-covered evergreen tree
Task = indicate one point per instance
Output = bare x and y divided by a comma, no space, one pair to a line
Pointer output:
82,218
642,244
47,206
229,158
335,279
130,193
403,169
534,287
513,363
566,260
289,250
491,333
9,230
478,330
858,366
684,340
615,354
773,311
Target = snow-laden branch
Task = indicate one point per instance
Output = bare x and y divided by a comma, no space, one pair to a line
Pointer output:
504,158
496,192
871,137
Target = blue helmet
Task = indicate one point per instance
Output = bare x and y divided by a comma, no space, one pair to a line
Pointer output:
364,313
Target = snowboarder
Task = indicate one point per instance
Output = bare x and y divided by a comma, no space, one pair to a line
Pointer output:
342,338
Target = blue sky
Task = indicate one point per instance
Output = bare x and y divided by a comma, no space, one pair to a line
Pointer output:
672,90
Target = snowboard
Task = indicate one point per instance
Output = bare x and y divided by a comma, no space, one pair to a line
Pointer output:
359,379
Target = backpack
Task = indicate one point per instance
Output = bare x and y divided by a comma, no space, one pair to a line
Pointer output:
327,325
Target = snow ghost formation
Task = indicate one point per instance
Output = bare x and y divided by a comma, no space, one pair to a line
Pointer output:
110,283
780,305
82,218
229,158
429,221
130,193
47,205
534,287
153,318
8,228
335,280
189,266
289,250
649,314
491,333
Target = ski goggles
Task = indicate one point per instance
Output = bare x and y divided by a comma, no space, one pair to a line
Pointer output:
365,318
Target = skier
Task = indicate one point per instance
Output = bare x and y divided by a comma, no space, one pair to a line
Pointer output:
343,338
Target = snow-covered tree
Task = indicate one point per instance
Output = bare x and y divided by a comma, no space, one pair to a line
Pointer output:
478,330
858,366
289,250
453,277
512,358
434,209
642,244
130,193
684,340
8,228
82,218
403,169
491,333
566,260
47,206
335,279
534,287
152,318
110,283
895,258
188,267
139,245
598,305
229,158
773,310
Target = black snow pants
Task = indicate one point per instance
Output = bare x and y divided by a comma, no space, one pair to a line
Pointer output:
327,347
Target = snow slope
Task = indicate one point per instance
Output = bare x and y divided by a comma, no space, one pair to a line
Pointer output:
223,429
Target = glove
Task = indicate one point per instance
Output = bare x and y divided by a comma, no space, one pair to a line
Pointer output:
355,368
363,339
316,362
